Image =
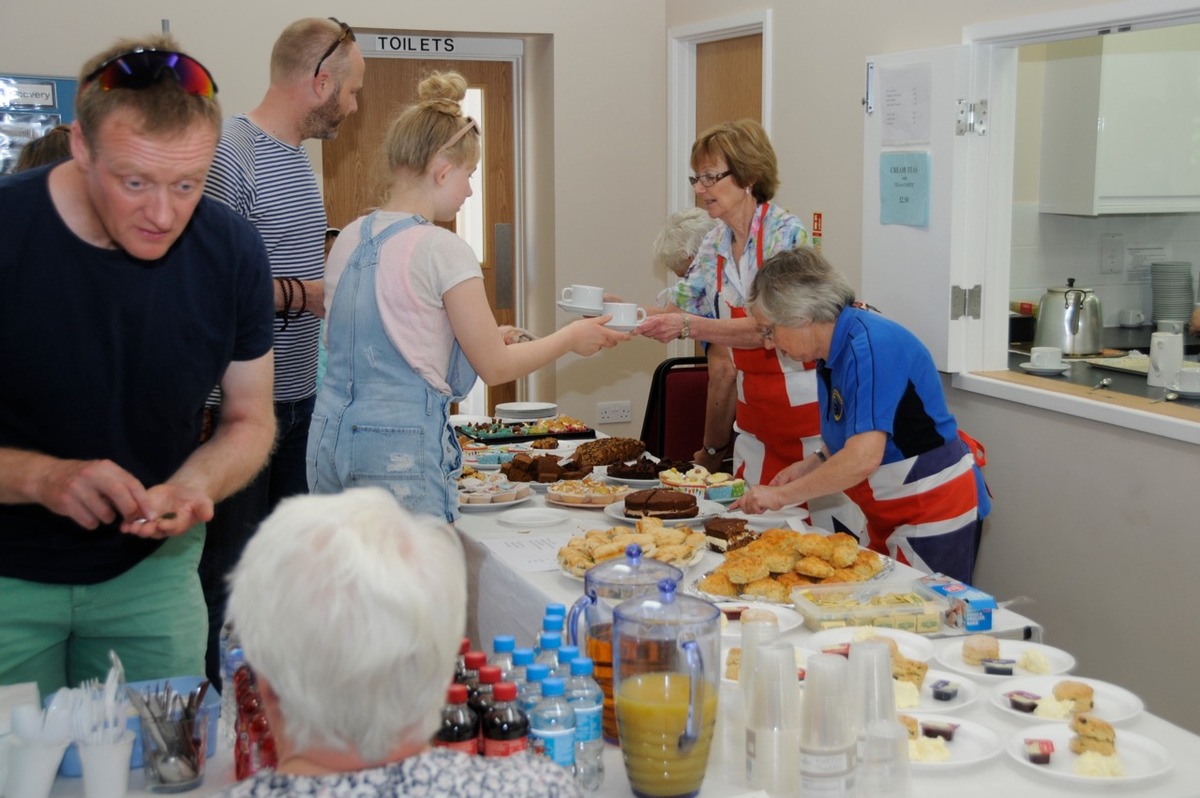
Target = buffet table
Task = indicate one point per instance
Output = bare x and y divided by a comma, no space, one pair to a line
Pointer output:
507,597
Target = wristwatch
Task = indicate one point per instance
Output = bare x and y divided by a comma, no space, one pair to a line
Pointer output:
713,451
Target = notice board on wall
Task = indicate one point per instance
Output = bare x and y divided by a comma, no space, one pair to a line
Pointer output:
31,105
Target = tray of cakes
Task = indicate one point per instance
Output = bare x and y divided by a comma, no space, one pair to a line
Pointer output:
489,491
495,430
700,482
768,566
678,545
588,493
541,470
642,472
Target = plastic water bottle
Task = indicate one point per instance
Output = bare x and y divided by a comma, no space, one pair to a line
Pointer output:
502,651
586,698
521,657
553,622
552,725
232,658
548,643
565,655
460,729
530,692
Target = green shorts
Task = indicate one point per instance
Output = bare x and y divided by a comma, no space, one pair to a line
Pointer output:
153,616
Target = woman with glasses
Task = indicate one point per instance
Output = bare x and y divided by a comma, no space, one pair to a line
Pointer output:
735,180
409,325
890,441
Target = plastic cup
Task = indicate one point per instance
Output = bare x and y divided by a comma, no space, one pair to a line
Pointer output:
773,722
872,695
883,769
106,767
32,768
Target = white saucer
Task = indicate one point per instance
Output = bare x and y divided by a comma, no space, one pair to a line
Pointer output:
580,309
622,327
1186,394
1045,370
533,516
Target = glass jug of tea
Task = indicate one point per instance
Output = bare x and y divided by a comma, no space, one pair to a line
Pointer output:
666,668
604,587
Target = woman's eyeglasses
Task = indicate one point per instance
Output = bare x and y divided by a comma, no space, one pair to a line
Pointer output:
708,181
346,31
145,66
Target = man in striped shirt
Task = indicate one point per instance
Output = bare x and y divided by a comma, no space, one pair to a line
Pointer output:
262,171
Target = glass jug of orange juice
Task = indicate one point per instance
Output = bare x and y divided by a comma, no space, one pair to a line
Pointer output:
604,587
666,668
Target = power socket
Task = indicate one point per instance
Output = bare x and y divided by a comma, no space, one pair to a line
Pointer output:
613,412
1112,253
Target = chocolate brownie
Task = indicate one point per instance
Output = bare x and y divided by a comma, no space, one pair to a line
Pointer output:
659,503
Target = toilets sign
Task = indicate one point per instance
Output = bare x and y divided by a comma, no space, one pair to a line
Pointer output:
418,45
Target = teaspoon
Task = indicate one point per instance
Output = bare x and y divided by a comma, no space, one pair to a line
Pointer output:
1169,396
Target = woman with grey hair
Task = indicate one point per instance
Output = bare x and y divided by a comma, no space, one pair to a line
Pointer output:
890,442
350,610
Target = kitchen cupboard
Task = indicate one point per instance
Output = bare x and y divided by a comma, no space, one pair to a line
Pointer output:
1120,125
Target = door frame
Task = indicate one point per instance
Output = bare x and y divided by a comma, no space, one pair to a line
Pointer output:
682,42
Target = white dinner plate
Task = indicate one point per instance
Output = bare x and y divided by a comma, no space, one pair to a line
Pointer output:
949,655
478,466
490,506
1045,370
968,693
1142,757
525,411
706,509
911,645
695,558
802,655
788,618
1186,394
580,505
973,743
640,484
533,517
1109,701
772,519
464,419
579,309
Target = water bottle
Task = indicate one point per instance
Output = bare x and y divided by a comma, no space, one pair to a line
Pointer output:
586,698
230,649
552,725
565,655
502,651
530,693
552,622
554,608
460,729
505,727
548,643
521,657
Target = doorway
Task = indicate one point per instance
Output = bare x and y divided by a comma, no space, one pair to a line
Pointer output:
355,173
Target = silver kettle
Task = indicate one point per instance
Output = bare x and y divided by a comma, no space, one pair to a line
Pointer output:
1070,318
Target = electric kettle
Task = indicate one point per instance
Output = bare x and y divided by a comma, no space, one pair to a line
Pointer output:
1070,318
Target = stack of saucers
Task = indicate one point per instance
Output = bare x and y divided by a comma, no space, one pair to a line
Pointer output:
527,411
1171,284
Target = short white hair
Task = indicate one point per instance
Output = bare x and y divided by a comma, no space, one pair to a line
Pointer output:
679,240
352,609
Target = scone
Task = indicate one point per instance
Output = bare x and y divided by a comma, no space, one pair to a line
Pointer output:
1080,693
977,648
745,569
717,584
908,670
767,589
910,723
1093,734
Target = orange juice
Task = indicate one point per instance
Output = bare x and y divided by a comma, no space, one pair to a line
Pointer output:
652,713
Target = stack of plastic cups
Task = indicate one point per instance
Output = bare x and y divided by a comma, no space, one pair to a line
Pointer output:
731,731
773,722
827,742
872,695
883,769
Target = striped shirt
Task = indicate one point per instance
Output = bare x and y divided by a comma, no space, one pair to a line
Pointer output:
272,184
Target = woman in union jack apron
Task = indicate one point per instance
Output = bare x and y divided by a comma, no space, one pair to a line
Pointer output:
777,414
891,442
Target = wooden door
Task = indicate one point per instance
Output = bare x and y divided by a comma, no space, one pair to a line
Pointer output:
355,171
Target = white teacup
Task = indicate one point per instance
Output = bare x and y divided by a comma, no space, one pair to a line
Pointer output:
1045,357
1169,325
1131,318
1166,359
625,314
590,297
1187,380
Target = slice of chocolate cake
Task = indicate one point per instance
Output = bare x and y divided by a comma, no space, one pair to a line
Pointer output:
658,503
726,534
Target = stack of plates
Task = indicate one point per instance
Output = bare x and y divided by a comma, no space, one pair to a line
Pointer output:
1171,283
528,410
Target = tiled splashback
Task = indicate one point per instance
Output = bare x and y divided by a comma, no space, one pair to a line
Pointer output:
1047,249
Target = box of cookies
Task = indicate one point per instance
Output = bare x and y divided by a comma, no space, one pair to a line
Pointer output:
967,608
891,603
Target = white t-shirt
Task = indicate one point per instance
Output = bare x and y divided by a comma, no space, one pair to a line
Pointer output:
416,267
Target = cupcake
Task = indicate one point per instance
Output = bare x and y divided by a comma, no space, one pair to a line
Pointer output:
693,481
724,487
493,457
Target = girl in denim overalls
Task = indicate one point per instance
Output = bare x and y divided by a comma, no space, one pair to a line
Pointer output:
409,325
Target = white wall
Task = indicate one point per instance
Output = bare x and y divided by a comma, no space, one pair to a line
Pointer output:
1088,519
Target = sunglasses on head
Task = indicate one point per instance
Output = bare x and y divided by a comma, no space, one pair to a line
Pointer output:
347,31
145,66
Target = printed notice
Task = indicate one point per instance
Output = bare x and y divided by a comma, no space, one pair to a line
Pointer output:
1139,257
907,109
528,553
904,188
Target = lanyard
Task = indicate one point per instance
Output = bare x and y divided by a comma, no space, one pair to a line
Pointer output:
758,247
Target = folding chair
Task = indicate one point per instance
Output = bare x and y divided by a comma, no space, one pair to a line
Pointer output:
673,426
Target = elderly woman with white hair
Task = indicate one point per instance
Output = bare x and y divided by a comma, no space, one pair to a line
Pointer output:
350,611
890,442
